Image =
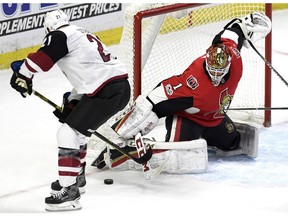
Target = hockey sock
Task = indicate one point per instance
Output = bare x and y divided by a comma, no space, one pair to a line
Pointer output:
68,166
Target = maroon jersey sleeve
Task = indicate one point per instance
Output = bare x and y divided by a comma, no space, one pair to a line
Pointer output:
54,47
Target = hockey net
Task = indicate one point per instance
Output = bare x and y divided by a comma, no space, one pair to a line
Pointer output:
161,40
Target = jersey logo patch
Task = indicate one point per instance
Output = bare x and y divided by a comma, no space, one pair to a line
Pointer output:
169,89
225,100
192,82
236,52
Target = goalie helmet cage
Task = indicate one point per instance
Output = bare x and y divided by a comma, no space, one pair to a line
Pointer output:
164,39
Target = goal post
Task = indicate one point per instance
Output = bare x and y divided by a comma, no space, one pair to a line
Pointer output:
161,40
268,77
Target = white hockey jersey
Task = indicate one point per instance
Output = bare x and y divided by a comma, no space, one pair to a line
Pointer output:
82,57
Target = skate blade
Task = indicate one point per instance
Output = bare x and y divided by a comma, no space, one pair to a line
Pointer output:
66,206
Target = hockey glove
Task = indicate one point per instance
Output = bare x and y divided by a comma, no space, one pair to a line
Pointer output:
254,26
258,26
20,82
67,107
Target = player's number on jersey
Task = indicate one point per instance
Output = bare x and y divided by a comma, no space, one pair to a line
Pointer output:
92,38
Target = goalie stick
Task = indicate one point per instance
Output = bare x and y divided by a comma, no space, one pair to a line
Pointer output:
141,160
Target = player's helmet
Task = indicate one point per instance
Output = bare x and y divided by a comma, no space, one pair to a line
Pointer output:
218,61
55,19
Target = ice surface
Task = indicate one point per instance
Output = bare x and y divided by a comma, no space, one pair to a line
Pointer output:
232,186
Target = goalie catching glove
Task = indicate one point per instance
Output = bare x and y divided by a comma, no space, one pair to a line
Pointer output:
254,26
140,118
20,82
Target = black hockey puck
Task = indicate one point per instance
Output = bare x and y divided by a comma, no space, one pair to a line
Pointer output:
108,181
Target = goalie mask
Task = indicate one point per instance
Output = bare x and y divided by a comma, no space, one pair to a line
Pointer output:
218,61
55,19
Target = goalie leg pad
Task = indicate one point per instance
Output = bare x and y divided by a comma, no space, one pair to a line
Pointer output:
140,119
248,139
184,157
182,161
248,142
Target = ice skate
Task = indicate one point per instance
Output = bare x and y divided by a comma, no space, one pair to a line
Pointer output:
64,200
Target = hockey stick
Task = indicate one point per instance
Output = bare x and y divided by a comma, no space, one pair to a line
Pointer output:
141,150
267,63
248,108
261,56
47,100
141,160
148,171
259,108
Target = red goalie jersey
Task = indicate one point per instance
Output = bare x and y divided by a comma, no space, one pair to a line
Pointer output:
193,95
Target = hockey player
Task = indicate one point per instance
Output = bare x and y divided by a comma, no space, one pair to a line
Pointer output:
100,90
195,103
